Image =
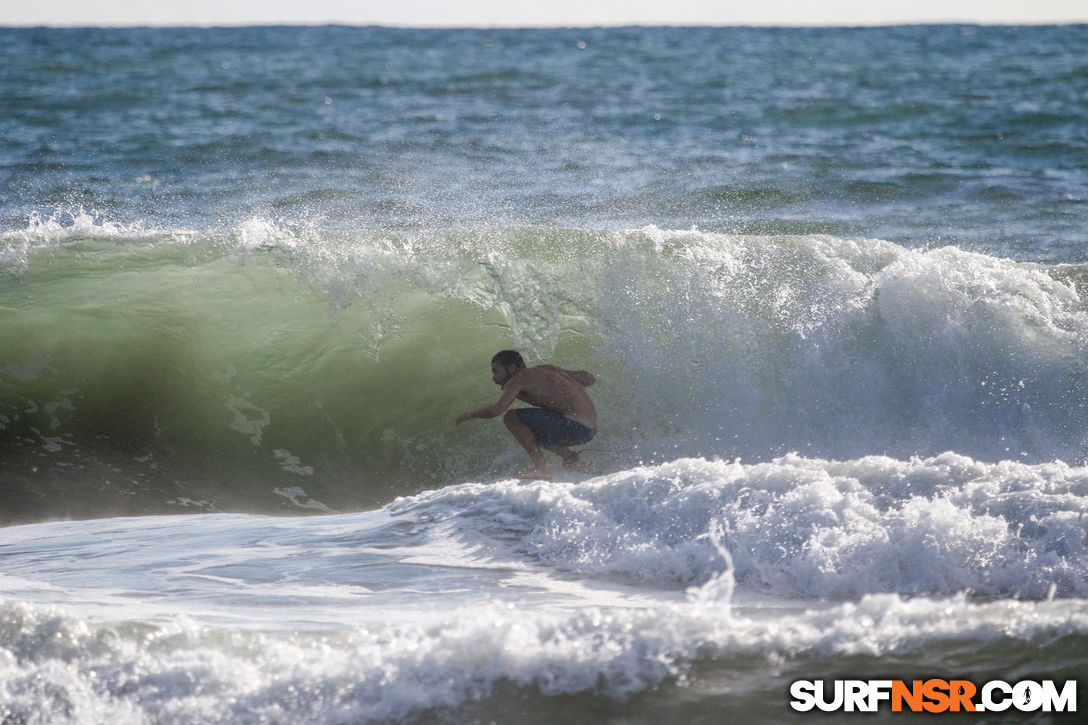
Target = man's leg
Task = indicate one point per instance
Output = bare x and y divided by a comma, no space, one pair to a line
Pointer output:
524,435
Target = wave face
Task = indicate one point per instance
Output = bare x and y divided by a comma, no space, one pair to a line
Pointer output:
209,368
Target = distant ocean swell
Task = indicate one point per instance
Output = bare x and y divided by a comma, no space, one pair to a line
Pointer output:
332,362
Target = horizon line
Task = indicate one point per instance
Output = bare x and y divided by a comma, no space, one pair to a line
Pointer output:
537,26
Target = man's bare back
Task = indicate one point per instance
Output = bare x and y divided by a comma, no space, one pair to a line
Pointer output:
555,389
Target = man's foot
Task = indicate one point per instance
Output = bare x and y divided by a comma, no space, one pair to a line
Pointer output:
574,463
536,474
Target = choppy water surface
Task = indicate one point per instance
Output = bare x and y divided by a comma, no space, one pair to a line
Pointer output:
831,282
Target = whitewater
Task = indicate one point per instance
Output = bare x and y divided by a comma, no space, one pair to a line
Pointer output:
249,277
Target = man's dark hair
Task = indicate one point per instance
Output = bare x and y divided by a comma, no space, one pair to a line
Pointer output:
508,357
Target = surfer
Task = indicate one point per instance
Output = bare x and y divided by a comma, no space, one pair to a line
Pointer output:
563,415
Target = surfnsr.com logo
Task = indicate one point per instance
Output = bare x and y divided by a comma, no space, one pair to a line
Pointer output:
933,695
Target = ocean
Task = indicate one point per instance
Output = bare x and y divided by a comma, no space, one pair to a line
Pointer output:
833,283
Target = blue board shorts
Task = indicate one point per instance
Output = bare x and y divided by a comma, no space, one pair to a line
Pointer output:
554,430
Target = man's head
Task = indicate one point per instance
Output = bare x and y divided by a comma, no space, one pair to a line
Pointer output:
504,365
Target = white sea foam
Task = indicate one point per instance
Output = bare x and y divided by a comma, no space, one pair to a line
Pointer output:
610,586
58,668
800,527
300,498
63,224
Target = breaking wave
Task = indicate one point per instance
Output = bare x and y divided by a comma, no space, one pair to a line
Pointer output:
169,362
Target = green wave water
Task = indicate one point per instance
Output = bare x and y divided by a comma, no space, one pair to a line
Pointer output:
214,368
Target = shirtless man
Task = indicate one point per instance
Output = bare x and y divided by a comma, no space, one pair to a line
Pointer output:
564,415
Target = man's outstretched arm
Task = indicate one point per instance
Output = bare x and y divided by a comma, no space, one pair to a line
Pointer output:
509,395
